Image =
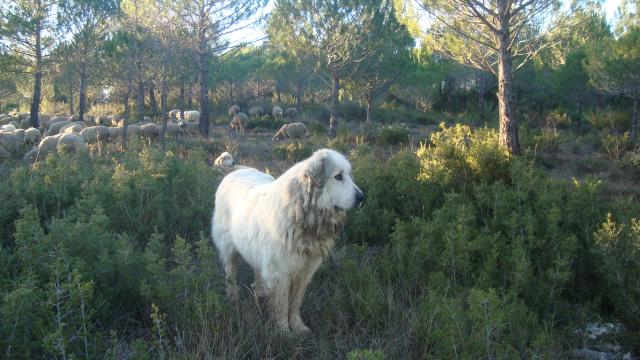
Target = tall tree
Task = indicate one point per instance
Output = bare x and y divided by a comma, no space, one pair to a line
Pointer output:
339,35
392,46
492,35
31,30
88,21
612,65
209,21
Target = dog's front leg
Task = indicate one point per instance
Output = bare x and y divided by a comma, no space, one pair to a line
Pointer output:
280,303
298,288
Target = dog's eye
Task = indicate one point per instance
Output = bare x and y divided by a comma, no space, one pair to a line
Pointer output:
338,177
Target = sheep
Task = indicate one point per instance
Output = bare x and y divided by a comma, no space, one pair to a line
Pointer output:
94,134
133,131
256,111
277,112
291,131
149,132
9,141
239,122
32,136
8,128
234,109
73,118
20,133
55,127
189,127
74,127
44,117
56,142
102,120
291,113
114,133
173,130
4,154
71,141
174,114
25,123
8,120
193,116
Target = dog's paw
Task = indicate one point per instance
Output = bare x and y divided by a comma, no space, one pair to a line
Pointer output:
259,290
300,328
232,292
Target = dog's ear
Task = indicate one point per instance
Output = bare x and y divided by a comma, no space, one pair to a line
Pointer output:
316,170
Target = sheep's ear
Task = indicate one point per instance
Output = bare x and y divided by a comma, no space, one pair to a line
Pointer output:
316,170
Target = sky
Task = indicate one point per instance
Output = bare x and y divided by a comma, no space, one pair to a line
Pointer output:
253,34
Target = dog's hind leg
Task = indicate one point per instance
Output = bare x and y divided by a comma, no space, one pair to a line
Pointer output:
298,288
230,258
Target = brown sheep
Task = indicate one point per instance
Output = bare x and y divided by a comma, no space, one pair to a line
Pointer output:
295,130
239,122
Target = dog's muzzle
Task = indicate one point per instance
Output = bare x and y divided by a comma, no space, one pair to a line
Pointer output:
359,197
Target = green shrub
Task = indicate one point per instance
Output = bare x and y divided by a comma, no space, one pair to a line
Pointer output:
458,155
292,152
630,164
393,135
265,122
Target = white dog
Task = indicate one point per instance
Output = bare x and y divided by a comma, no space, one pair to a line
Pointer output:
283,227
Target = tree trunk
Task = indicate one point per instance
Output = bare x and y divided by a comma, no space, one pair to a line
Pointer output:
181,100
71,98
189,101
369,100
333,117
163,110
508,123
140,101
634,119
37,85
127,112
82,101
231,99
203,69
153,103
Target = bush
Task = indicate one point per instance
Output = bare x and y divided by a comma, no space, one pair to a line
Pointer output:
458,155
618,121
292,152
630,164
393,135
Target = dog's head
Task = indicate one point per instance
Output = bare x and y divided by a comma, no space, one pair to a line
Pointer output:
225,160
330,176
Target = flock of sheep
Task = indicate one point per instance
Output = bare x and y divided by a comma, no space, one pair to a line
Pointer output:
68,132
295,130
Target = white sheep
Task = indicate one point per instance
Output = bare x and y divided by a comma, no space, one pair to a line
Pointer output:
8,128
114,133
94,134
4,154
149,132
256,111
74,127
55,127
9,141
295,130
192,115
239,122
20,133
51,143
234,109
291,113
174,114
32,136
277,112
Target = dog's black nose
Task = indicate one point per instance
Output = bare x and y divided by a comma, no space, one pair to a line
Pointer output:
359,196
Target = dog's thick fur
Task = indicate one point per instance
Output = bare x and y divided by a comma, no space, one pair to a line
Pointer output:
283,227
